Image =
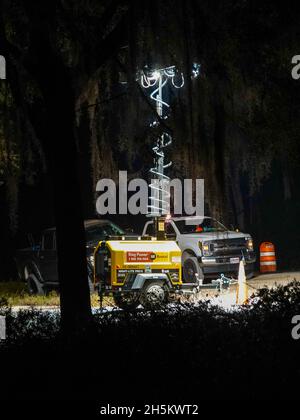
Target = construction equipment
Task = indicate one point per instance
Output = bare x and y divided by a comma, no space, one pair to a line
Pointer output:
157,80
267,258
141,271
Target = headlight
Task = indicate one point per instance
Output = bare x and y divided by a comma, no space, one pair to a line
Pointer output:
205,248
249,244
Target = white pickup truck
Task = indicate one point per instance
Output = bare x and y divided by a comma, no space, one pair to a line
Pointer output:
208,247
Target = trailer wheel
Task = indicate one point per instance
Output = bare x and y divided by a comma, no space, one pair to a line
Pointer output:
127,303
34,286
190,268
153,295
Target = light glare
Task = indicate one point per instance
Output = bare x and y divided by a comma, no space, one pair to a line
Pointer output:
156,75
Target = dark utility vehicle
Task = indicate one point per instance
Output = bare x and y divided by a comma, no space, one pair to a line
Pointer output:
37,265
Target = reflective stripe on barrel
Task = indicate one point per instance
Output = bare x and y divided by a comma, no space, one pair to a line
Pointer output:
267,257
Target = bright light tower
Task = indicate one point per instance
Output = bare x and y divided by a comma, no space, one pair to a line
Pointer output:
156,80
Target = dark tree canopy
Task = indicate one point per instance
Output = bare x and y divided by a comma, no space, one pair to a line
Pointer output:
237,125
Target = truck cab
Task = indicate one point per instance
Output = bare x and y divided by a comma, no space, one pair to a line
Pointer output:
37,265
208,247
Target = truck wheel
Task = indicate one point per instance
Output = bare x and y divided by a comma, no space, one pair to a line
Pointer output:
34,286
127,303
190,268
153,295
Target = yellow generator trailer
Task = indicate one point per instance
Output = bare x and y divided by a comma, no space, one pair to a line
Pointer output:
134,272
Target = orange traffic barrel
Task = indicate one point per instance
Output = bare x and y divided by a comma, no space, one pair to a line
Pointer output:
267,257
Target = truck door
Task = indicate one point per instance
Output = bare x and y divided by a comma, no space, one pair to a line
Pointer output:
48,257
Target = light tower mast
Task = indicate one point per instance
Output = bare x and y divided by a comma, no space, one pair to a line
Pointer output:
159,192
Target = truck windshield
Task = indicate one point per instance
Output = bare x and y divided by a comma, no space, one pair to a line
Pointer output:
201,226
101,231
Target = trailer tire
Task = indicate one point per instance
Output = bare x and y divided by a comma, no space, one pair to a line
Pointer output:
127,303
34,286
153,295
190,268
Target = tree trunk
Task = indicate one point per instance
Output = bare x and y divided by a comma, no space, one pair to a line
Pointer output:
56,132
